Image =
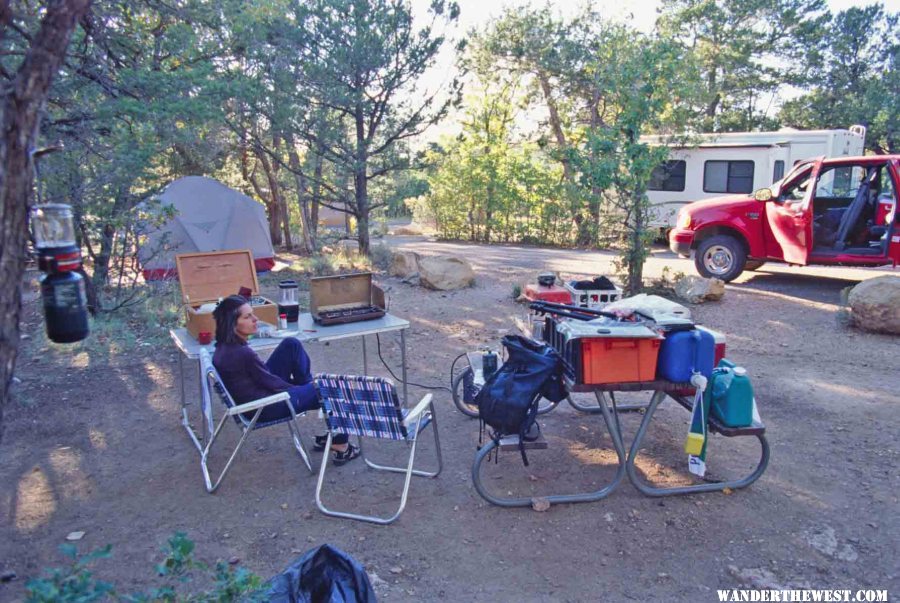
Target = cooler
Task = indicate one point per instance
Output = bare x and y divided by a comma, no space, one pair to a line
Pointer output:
553,294
598,352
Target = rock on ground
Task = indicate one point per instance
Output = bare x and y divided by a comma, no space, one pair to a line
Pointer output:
404,264
696,289
411,229
875,304
445,273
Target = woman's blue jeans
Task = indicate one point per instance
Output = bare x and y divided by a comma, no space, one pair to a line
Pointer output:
291,362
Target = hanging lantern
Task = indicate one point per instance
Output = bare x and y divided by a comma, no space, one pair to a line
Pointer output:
62,286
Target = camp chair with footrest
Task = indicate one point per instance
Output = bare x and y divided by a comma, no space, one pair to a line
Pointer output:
210,381
368,407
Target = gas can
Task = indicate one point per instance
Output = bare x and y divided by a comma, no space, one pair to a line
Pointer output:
685,352
732,395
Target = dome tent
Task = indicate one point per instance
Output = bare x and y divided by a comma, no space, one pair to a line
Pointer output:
208,216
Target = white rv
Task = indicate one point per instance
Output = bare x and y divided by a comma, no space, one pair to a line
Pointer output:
737,163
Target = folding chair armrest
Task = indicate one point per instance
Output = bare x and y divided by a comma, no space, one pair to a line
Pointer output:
413,415
261,403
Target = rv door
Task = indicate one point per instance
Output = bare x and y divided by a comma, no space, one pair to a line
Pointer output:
790,214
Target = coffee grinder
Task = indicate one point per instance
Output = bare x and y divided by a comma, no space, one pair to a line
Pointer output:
287,303
62,286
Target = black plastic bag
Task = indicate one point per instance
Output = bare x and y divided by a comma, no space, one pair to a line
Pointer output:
322,575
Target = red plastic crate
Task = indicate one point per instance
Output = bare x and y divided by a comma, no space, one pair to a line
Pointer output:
554,294
618,360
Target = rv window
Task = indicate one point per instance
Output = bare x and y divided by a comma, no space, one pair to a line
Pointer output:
668,176
728,177
778,173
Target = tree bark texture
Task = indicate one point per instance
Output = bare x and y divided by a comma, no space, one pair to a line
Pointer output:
361,184
271,207
20,119
309,234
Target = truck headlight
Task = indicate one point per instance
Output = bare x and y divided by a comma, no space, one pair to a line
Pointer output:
684,220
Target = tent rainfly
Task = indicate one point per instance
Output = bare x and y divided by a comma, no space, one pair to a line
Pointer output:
209,216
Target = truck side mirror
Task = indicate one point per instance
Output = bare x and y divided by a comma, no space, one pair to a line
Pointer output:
763,194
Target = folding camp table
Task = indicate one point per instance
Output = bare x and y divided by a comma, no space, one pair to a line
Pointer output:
306,330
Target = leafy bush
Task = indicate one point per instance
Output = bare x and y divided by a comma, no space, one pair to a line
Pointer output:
75,583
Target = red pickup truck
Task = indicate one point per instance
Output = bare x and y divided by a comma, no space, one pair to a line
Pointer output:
838,211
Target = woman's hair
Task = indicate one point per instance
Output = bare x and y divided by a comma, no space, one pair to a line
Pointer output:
226,315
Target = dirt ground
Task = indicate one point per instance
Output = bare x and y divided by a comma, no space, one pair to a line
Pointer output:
93,443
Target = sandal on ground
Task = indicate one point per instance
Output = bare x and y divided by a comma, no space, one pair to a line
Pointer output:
345,456
319,442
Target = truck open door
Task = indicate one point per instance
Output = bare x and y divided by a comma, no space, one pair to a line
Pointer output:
791,220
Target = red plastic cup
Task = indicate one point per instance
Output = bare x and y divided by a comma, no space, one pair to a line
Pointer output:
204,337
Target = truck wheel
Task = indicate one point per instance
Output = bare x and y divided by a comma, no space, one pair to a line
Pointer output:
721,256
754,265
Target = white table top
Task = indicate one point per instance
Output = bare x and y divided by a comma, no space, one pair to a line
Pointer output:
305,329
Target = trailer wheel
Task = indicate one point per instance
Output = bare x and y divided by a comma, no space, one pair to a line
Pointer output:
720,256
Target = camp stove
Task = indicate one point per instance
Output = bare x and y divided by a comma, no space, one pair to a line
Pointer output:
350,315
345,298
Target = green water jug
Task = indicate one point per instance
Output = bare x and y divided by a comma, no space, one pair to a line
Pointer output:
732,395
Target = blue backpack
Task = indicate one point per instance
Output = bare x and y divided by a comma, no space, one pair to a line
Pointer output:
508,401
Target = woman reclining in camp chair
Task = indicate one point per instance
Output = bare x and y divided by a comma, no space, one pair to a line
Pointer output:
287,370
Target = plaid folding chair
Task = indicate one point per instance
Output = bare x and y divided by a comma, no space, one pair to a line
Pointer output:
211,381
369,407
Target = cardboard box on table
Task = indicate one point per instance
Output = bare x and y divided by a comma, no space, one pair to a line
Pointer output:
208,277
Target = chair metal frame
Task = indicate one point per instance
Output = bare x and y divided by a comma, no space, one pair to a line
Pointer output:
411,425
208,373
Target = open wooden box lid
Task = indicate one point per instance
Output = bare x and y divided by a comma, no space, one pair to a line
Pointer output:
343,291
205,277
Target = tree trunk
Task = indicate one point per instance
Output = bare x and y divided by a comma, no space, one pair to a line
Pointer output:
278,217
309,235
271,208
101,263
636,253
587,226
361,184
20,118
555,123
316,195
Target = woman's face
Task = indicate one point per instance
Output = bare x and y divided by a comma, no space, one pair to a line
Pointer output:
246,322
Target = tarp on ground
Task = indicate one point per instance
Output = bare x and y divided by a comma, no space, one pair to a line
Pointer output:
208,216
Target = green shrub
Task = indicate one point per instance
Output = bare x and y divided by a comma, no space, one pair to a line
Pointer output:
75,583
322,265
